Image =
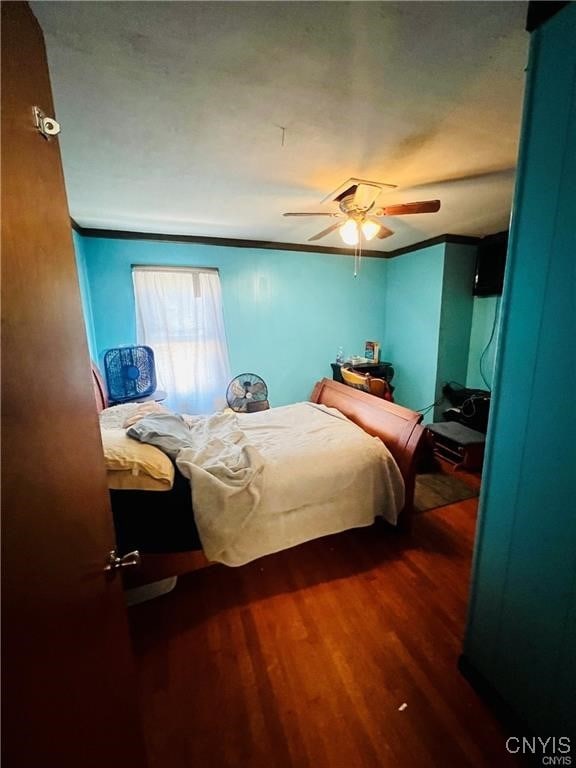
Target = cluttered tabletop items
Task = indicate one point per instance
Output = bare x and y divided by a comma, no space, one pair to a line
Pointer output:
365,371
371,355
369,363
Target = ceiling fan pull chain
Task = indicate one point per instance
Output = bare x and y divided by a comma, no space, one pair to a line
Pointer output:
358,253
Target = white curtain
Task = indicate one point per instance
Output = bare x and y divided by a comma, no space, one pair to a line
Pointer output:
179,315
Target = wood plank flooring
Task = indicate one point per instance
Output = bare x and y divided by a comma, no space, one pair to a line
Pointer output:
304,658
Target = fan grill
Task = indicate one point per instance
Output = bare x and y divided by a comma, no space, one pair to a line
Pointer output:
130,373
247,392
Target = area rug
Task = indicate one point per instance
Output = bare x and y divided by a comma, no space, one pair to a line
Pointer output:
438,489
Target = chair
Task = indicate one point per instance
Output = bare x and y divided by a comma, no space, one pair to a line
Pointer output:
379,388
365,382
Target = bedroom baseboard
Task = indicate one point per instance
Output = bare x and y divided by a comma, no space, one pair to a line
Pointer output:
509,719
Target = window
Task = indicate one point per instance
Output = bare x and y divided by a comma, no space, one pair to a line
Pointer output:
179,315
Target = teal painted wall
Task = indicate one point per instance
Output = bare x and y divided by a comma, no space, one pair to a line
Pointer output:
428,310
85,295
485,316
286,313
412,311
521,631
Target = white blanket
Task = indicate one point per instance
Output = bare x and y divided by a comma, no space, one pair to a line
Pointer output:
266,481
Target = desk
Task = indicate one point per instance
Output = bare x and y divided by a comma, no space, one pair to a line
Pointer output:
378,371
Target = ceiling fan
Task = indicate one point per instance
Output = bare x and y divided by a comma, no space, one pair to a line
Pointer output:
356,200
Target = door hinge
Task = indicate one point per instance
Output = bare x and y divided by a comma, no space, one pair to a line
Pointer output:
47,126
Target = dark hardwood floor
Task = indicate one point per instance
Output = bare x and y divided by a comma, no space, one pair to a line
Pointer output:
305,658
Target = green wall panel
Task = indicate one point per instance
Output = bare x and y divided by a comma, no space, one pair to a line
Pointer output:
485,319
455,319
521,620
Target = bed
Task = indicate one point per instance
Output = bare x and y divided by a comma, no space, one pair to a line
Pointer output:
162,526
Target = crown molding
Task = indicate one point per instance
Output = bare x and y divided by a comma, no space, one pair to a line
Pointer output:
120,234
227,242
440,240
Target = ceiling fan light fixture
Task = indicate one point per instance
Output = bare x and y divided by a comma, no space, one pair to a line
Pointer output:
349,232
370,229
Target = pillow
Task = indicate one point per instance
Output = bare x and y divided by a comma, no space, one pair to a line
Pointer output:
144,409
122,453
117,416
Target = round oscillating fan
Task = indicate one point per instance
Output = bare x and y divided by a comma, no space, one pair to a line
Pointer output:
247,393
130,373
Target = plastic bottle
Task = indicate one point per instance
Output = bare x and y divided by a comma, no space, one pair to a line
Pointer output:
340,355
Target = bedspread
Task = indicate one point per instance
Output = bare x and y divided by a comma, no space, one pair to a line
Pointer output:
266,481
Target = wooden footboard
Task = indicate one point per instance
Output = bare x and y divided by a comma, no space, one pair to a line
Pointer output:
399,428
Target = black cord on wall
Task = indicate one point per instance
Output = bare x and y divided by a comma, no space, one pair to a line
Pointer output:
486,348
427,408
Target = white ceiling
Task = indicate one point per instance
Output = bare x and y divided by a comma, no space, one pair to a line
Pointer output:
172,112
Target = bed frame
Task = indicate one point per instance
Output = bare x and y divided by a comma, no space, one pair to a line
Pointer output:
399,429
100,391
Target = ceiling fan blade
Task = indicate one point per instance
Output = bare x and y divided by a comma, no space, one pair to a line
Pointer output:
384,232
425,206
325,232
323,213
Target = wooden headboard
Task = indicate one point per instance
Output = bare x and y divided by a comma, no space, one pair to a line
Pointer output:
100,393
399,428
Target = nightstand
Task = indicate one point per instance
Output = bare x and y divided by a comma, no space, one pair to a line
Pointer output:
458,445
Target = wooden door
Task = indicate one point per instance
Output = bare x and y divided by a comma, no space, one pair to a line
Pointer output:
68,692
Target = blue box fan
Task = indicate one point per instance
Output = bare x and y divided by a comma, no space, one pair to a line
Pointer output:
130,373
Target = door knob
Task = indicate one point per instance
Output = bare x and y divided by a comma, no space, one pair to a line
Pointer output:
113,562
47,126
